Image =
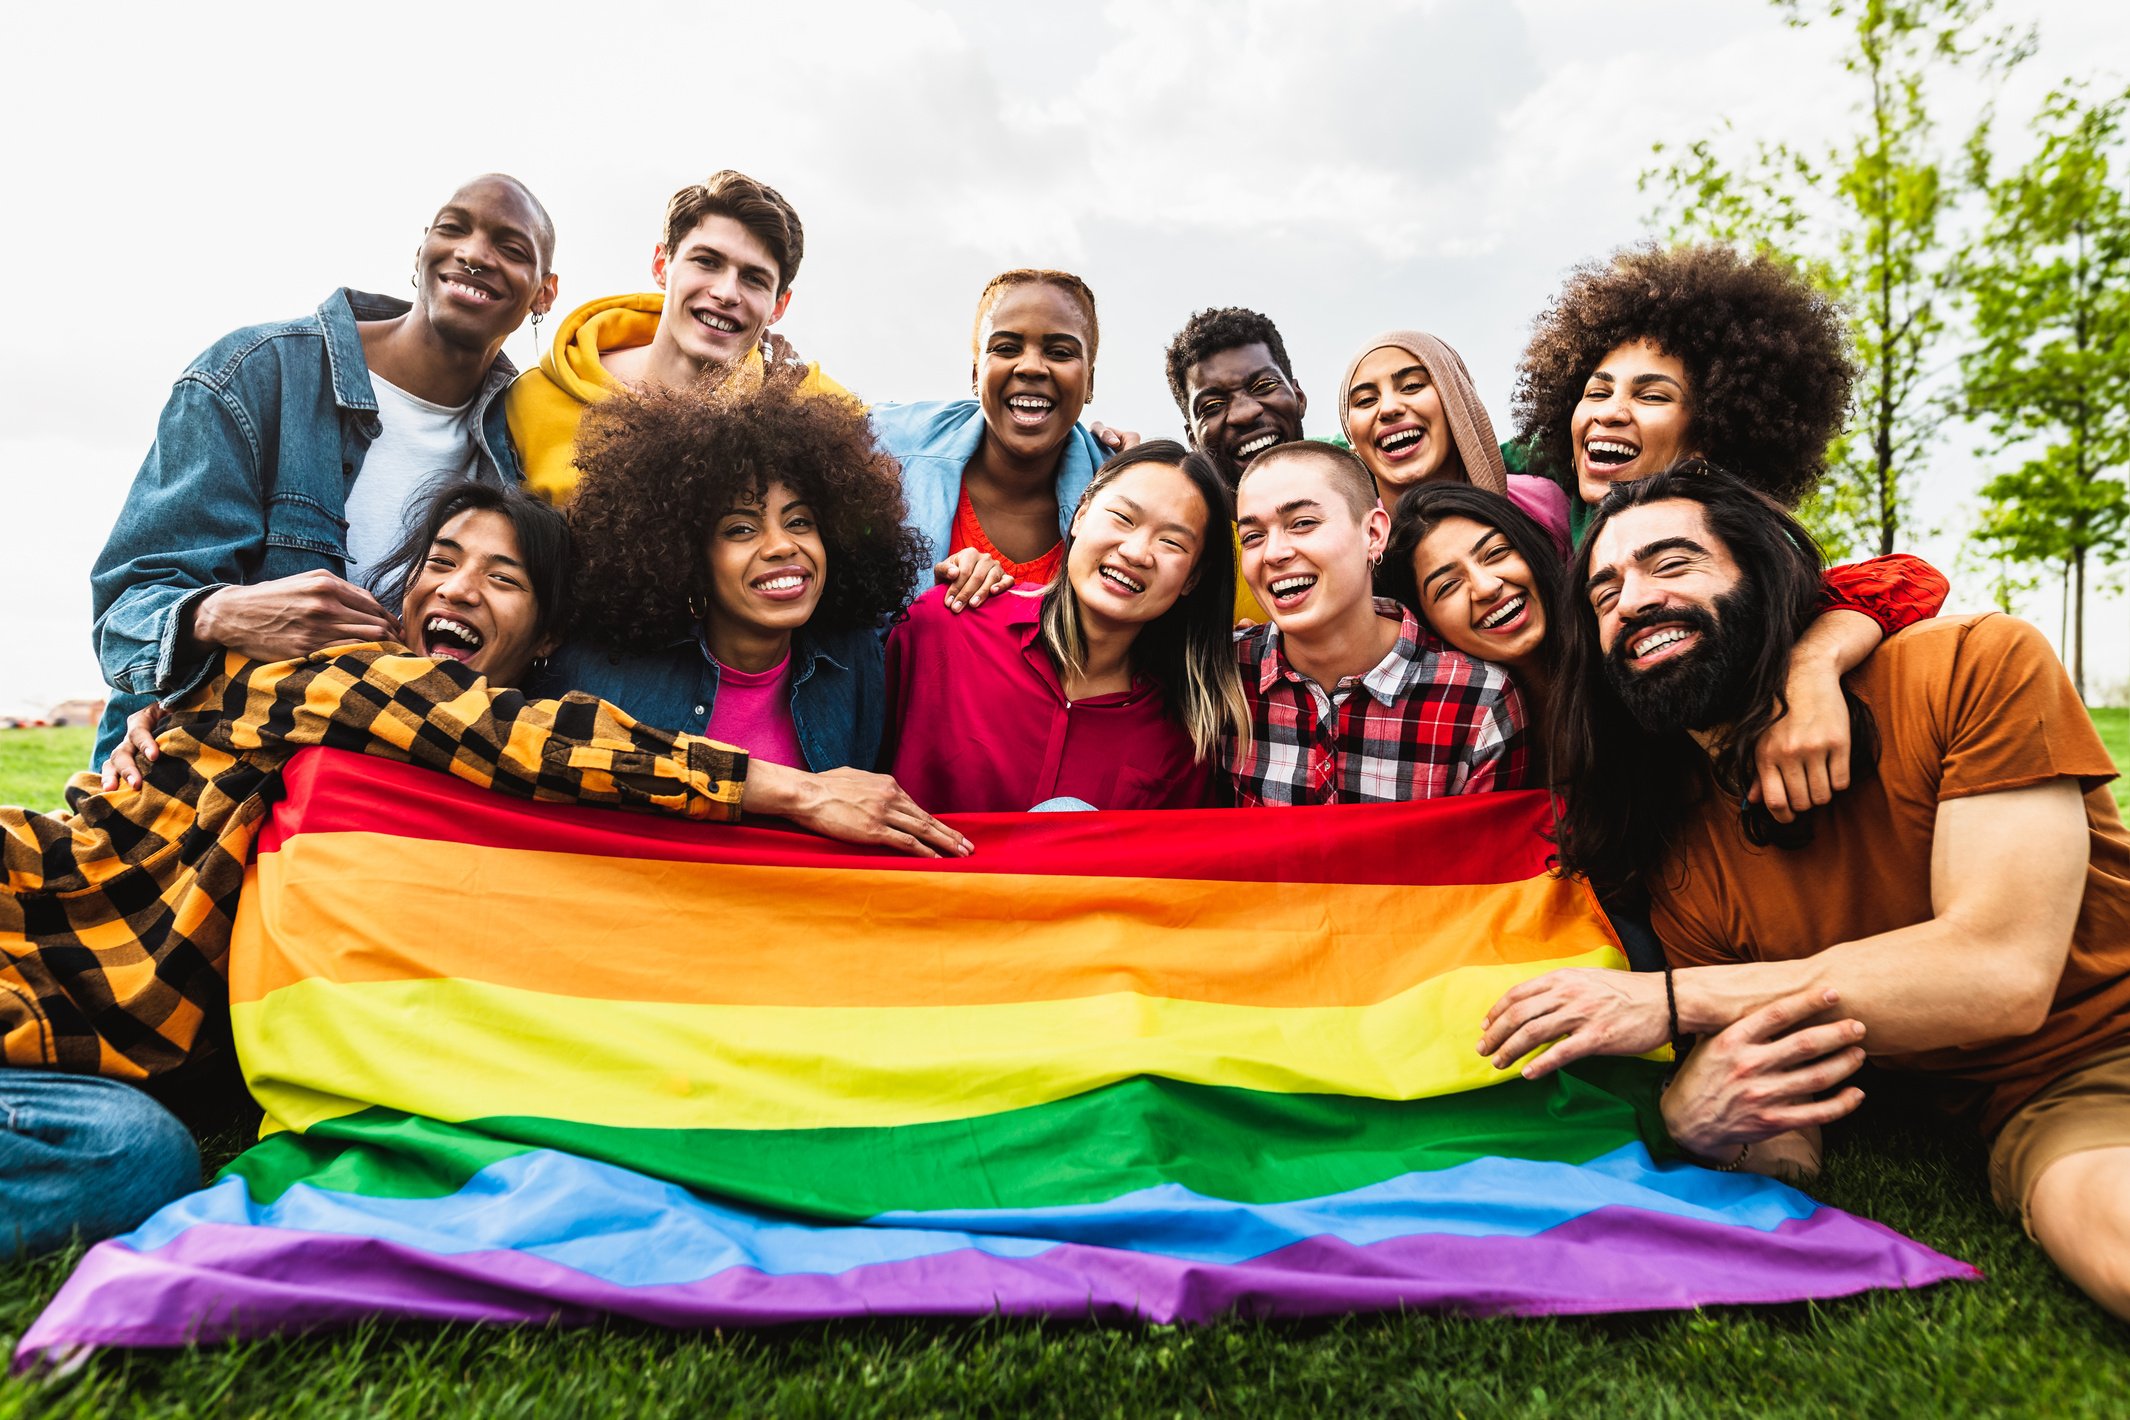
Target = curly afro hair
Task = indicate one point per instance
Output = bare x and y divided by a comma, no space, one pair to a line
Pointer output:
1212,331
662,466
1767,359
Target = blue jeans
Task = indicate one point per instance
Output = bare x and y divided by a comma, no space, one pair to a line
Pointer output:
83,1155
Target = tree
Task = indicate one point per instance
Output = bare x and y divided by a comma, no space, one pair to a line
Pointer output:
2048,286
1869,220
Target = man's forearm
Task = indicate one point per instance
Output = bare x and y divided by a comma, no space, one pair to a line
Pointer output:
1921,987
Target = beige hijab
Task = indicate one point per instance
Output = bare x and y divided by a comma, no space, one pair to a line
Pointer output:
1471,431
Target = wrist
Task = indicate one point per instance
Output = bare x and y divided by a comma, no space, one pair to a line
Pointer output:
203,620
1705,1150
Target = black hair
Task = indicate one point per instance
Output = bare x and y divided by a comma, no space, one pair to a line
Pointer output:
1190,648
1210,332
1626,789
543,546
1425,505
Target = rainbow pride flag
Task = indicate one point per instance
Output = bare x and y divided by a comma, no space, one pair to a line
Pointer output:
525,1063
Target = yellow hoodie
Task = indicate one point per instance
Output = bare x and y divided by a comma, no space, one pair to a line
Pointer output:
545,405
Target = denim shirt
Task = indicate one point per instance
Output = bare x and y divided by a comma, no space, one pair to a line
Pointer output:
935,439
247,481
838,689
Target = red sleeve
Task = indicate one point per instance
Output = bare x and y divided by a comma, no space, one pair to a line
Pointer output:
1897,590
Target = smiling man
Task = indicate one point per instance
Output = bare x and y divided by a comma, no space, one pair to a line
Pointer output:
1351,699
1962,912
287,455
723,267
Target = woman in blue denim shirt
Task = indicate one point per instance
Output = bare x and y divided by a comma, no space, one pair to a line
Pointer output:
737,559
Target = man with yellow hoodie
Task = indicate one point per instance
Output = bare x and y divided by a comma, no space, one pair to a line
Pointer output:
724,271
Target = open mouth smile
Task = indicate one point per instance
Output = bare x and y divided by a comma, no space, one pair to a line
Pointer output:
1402,443
723,325
1506,617
1288,591
1122,580
466,291
1251,448
1029,410
1662,644
1610,453
784,584
449,637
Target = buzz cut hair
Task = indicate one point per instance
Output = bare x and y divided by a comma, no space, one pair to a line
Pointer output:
1348,476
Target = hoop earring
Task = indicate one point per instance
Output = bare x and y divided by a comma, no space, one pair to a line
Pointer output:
696,608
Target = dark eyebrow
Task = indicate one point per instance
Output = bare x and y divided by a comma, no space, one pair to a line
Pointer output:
1643,554
1255,375
452,543
751,267
1484,538
1653,378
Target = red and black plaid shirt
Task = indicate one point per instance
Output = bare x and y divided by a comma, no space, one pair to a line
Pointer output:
1426,722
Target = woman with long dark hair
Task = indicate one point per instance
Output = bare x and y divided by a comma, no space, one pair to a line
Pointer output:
1111,685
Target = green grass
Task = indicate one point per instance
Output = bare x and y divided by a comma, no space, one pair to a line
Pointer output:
35,764
2022,1341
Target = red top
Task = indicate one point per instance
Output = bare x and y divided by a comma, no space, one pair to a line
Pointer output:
1896,591
968,532
978,721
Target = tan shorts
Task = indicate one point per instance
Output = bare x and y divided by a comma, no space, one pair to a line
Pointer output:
2086,1107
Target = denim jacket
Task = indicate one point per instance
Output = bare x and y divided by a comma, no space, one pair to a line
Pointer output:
247,481
838,689
936,439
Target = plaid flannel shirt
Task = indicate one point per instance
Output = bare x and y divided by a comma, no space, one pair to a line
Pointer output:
1426,722
115,920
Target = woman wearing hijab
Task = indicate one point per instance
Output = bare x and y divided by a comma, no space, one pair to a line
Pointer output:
1408,408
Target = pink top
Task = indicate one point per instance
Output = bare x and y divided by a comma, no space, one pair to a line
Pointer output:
753,711
978,721
1546,502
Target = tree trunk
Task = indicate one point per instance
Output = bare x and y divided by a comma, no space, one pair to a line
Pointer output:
2078,629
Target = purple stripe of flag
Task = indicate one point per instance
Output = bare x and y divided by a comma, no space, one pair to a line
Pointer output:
214,1281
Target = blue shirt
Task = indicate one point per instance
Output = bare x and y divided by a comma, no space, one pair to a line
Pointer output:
247,481
934,441
838,689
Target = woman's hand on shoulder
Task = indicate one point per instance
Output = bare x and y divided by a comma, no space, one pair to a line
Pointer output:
969,577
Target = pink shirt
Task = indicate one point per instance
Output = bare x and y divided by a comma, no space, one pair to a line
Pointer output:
753,711
1546,502
979,723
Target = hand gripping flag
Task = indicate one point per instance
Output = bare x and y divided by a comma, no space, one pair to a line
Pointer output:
529,1063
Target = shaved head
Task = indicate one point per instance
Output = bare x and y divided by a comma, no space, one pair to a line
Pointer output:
1342,469
543,226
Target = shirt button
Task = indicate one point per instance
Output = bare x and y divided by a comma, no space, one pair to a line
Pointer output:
701,711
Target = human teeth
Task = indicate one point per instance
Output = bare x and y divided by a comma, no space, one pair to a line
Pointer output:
1129,583
1287,585
471,292
1029,402
1257,446
1659,641
447,626
1612,447
786,583
1391,442
1505,612
717,322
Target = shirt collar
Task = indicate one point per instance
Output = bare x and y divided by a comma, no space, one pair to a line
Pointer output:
1392,678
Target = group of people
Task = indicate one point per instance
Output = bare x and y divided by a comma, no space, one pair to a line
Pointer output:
678,568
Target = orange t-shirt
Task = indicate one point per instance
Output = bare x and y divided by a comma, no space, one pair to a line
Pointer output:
1964,705
968,532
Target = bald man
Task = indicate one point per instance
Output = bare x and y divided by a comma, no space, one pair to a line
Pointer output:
288,454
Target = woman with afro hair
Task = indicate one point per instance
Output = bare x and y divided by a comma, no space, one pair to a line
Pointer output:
1664,353
738,558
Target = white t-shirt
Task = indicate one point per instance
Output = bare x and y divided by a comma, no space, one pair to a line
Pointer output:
422,446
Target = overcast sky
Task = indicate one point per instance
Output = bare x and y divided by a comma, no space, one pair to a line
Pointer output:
183,170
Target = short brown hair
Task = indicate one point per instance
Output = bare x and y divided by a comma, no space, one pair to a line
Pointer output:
758,207
1350,476
1065,281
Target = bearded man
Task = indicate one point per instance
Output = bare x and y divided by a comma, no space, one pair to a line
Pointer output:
1962,912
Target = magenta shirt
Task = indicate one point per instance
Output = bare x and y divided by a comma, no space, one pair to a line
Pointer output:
978,721
753,711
